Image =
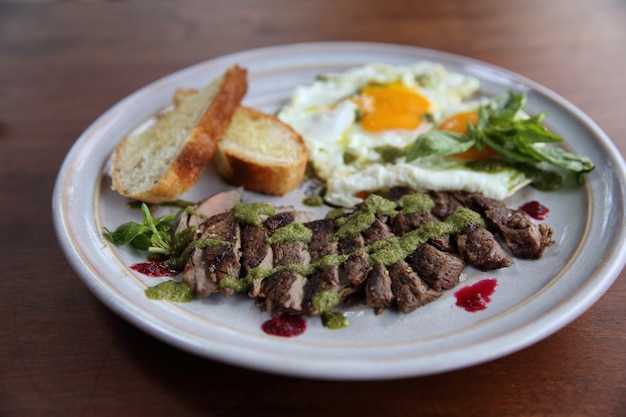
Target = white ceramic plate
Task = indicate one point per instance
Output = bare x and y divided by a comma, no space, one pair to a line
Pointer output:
533,298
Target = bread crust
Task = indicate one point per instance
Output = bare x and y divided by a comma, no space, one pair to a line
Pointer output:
199,147
262,173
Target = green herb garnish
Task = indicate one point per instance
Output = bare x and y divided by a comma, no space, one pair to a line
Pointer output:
152,235
521,140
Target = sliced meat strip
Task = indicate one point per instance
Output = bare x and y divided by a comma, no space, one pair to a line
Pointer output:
207,266
378,230
284,290
409,291
402,223
378,293
525,238
216,204
439,269
196,274
445,204
255,253
222,261
479,247
353,271
325,278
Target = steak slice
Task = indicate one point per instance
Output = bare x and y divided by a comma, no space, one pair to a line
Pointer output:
207,266
440,270
479,247
525,238
284,290
353,271
378,294
445,204
255,253
409,291
325,278
222,261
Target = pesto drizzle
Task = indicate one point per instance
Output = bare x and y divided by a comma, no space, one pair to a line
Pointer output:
388,251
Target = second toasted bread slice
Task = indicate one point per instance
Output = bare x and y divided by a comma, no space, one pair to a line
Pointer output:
261,153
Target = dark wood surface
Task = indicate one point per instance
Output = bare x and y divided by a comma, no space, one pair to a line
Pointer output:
63,353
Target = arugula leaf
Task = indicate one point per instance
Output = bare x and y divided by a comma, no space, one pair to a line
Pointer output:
153,235
522,140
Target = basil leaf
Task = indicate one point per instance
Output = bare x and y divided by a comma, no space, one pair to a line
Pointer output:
438,143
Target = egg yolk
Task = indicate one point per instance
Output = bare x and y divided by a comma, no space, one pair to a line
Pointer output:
391,106
458,124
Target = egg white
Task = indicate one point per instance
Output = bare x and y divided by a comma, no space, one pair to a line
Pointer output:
349,158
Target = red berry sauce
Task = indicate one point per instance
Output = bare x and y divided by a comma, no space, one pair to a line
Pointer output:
535,209
285,325
475,297
154,268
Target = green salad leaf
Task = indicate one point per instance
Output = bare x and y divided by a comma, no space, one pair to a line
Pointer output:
152,235
521,140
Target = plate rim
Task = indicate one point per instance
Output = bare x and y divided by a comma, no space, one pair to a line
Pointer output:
610,269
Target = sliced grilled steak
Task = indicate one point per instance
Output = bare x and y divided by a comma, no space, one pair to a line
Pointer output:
525,238
353,272
325,278
409,290
222,261
409,283
255,252
445,204
441,270
284,290
479,247
378,294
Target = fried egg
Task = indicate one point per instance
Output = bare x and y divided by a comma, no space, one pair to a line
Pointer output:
359,124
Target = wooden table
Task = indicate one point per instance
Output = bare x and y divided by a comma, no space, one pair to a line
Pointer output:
63,353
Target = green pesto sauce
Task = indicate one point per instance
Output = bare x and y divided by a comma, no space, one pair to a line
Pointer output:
399,248
334,320
178,292
243,284
387,251
250,213
325,300
390,153
292,232
313,201
491,166
378,205
349,158
414,203
334,213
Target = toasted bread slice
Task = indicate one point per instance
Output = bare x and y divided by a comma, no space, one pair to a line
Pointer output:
163,162
261,153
